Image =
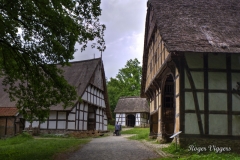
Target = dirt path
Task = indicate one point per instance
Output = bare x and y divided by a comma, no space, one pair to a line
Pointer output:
114,148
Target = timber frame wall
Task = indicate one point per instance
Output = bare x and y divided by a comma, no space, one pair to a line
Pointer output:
11,125
141,119
89,114
206,98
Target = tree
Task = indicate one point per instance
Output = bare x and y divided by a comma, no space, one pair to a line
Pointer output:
34,35
126,83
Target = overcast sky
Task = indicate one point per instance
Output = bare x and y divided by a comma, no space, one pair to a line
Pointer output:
124,34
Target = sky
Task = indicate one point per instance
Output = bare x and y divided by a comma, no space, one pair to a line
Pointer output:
124,34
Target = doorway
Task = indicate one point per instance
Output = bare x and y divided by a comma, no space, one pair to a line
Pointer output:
168,109
130,120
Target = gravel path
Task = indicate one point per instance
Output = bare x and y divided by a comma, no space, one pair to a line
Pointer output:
114,148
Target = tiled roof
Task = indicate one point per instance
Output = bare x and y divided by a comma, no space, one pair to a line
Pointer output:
8,111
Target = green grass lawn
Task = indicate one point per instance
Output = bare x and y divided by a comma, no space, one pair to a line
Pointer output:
184,154
181,154
111,128
25,147
140,133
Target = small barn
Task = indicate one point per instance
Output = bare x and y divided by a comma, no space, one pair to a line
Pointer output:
132,111
92,112
191,71
11,122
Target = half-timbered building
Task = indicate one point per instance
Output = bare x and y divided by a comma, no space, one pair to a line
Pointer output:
11,122
132,111
191,70
91,112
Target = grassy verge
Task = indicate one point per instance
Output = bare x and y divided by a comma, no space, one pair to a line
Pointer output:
111,128
181,154
185,154
24,147
140,133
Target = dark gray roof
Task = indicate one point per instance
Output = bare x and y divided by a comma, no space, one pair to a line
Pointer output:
192,26
131,104
78,74
198,25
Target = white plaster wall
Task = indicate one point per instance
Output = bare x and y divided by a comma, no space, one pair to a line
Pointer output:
27,124
71,116
43,125
84,97
86,107
71,125
137,121
197,78
236,125
52,115
186,81
105,128
218,101
216,60
235,97
81,115
235,102
97,126
85,126
217,80
98,101
97,111
61,125
81,106
85,116
191,123
97,118
194,60
89,88
235,61
105,121
91,100
104,105
77,112
61,115
218,124
52,125
80,125
189,101
74,109
35,123
118,117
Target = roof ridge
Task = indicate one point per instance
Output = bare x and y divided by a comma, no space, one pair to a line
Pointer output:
129,97
86,60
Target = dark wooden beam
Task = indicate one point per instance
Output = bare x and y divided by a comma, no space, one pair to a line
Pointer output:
182,94
206,93
229,94
209,136
6,126
200,126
